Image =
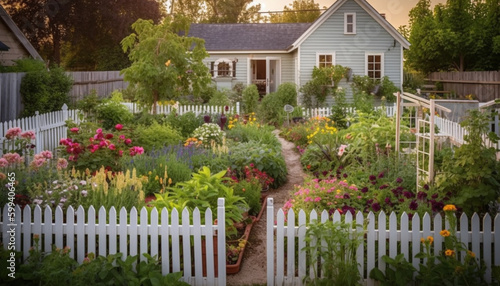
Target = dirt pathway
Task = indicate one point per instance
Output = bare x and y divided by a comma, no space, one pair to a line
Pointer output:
253,269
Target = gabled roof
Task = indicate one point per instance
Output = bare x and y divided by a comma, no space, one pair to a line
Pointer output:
248,37
18,34
368,8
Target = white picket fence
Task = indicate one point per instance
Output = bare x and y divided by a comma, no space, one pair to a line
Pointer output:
181,109
49,128
163,234
327,111
285,267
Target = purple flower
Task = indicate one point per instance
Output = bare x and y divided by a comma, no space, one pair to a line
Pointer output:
375,207
372,178
408,195
345,175
410,216
347,196
384,186
413,205
421,195
364,190
399,180
388,201
346,209
381,175
324,173
426,187
434,196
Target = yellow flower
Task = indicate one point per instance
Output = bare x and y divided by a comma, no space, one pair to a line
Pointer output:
444,233
430,239
471,254
169,181
450,208
422,240
168,63
449,252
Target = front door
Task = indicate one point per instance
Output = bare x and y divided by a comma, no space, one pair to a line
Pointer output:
273,72
265,73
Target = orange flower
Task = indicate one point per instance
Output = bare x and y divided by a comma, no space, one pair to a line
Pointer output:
449,252
444,233
471,254
308,167
451,208
167,63
430,239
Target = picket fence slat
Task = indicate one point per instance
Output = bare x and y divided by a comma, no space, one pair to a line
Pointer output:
136,232
383,236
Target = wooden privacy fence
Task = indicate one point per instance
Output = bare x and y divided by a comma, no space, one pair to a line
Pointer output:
327,111
181,109
49,128
485,85
168,235
286,264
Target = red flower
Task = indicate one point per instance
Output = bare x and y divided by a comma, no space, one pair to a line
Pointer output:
118,127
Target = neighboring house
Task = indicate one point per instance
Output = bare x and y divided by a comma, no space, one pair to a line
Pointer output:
14,44
350,33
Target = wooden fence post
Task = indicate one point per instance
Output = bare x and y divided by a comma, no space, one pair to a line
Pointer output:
270,242
221,241
38,140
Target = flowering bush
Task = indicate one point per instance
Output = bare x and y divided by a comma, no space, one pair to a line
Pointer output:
86,150
208,132
17,142
329,194
251,174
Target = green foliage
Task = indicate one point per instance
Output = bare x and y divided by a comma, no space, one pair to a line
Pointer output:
400,272
252,132
333,245
339,109
271,110
300,11
156,136
165,64
251,191
185,123
24,65
324,82
471,173
288,93
45,91
112,112
412,80
89,104
250,98
220,98
384,87
266,158
202,192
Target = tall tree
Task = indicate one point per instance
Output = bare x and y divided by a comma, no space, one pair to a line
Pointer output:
82,34
300,11
165,64
219,11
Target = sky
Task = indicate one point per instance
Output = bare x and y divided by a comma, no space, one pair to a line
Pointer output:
396,11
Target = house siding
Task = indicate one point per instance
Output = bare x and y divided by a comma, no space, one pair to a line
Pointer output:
16,49
350,49
287,65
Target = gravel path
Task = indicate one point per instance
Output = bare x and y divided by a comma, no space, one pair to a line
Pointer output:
253,268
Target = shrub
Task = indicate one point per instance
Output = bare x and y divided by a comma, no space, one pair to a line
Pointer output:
244,132
251,192
266,158
24,65
250,98
288,93
89,104
156,136
112,112
185,123
45,91
367,85
220,98
271,109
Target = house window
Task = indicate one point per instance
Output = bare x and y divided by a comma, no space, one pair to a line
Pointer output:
324,60
349,23
223,68
374,66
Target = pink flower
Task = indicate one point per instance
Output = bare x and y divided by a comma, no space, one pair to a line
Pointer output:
3,162
112,147
128,141
37,163
98,131
120,153
118,127
342,149
62,163
13,132
317,199
122,137
136,150
28,135
46,154
75,129
13,158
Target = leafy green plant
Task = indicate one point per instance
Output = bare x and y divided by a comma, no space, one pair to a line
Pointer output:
324,82
381,87
399,273
266,158
185,123
333,245
209,132
112,112
155,136
202,192
271,110
250,98
88,105
251,191
220,98
45,90
288,93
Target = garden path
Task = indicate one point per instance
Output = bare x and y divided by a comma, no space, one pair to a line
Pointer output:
253,269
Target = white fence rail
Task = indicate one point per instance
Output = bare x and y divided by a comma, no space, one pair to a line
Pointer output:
327,111
181,109
165,234
49,128
285,266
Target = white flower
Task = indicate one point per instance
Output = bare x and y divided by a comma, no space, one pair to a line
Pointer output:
84,193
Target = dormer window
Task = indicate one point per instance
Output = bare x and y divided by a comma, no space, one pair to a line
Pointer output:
349,23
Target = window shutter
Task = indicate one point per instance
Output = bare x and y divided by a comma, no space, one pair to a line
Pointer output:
212,68
234,68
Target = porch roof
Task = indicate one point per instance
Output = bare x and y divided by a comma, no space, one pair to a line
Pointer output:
248,37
